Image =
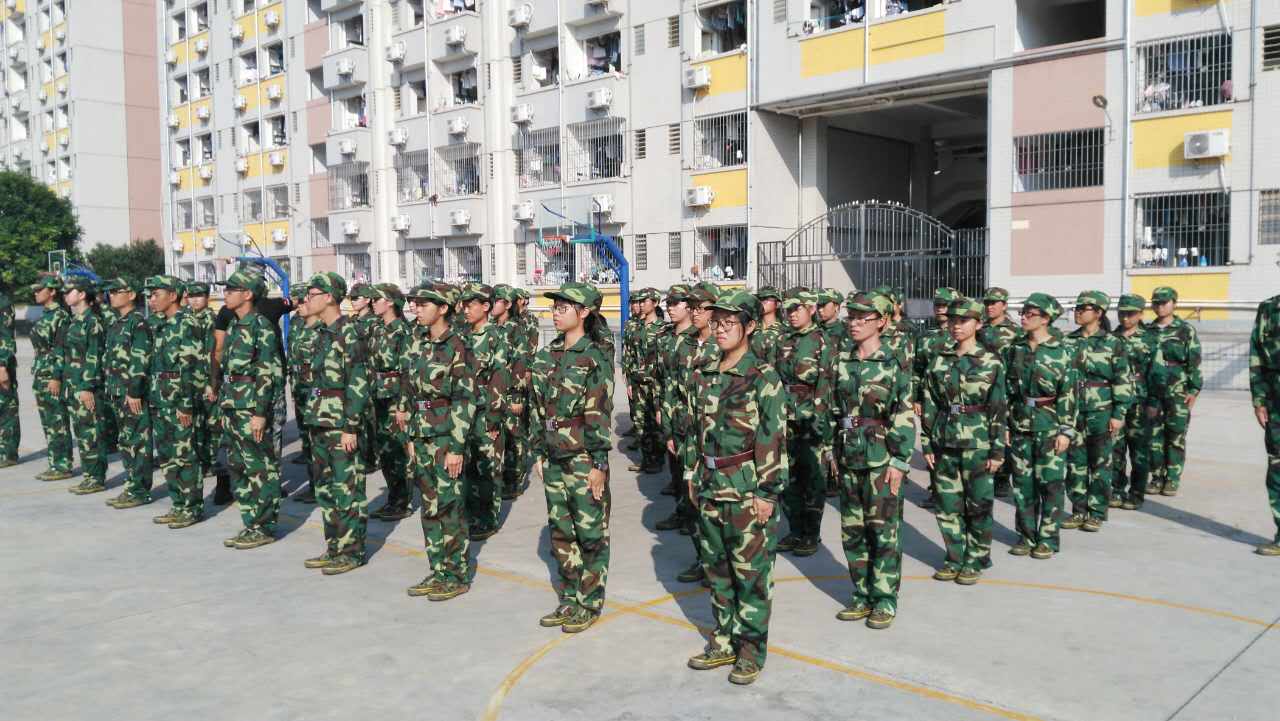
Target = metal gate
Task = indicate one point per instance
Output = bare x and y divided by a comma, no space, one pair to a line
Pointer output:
879,244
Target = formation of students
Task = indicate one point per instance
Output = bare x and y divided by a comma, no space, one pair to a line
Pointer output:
761,406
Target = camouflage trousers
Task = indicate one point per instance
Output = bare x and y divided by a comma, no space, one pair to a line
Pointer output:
737,555
1131,444
648,433
515,445
175,446
804,498
579,528
444,518
10,427
110,431
208,433
55,417
870,521
687,458
966,495
1039,487
254,467
388,444
1272,439
483,471
88,429
1089,467
1167,420
340,492
134,441
300,403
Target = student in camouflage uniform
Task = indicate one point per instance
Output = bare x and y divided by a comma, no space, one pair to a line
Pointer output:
1264,387
1105,394
806,364
387,343
964,425
1173,384
571,404
645,390
1129,489
529,329
364,320
678,310
435,409
766,341
126,360
898,334
302,334
335,417
81,376
998,335
492,370
1041,378
515,418
46,374
874,443
206,420
829,302
101,305
736,479
632,331
928,345
10,427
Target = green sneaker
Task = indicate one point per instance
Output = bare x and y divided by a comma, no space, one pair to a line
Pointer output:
880,619
855,611
946,573
165,519
231,542
692,574
1042,552
129,500
88,487
254,539
1130,505
712,658
118,499
1092,525
424,587
744,672
184,520
788,543
557,617
321,561
1153,489
8,462
1268,549
581,620
342,564
805,547
1021,548
447,590
1169,491
968,576
54,475
1073,522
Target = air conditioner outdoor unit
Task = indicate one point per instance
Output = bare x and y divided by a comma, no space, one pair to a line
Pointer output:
177,246
350,227
400,223
237,31
522,113
51,177
1206,144
174,120
600,98
520,17
274,92
209,242
523,211
459,218
455,35
248,76
458,126
11,4
279,236
242,165
398,136
60,35
602,203
241,102
62,88
272,18
65,192
695,78
347,147
598,3
64,140
202,112
276,158
206,171
170,57
43,95
395,51
202,46
346,66
698,196
175,178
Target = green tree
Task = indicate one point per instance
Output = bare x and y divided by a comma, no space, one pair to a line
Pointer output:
138,260
33,221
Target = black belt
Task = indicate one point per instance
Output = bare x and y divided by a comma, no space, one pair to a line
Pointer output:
717,463
849,423
556,424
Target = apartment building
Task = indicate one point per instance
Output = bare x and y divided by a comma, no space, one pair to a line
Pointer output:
79,109
1041,145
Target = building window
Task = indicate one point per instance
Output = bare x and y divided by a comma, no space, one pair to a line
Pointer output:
416,104
467,263
1183,230
204,147
724,252
830,14
596,150
349,186
544,69
412,175
538,158
721,141
456,171
252,206
1271,47
177,27
675,251
278,202
673,139
277,130
357,266
411,14
724,27
182,215
320,233
350,32
182,151
247,72
522,259
1055,161
465,90
642,252
641,142
352,113
1188,72
603,53
204,213
1269,217
430,265
180,87
638,41
673,31
203,87
250,137
200,17
275,59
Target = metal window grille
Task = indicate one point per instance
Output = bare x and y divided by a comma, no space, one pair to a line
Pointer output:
468,265
1054,161
673,31
517,72
402,265
724,252
1187,72
357,266
252,205
673,139
1183,230
1271,48
349,186
456,170
779,11
278,202
538,157
395,100
675,251
642,252
522,259
721,141
320,233
641,150
412,175
596,150
1269,217
429,265
638,44
204,213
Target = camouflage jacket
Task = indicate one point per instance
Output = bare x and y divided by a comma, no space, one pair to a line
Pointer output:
1103,378
1139,348
837,335
339,378
1042,388
203,321
8,342
81,342
520,355
250,366
1175,368
964,402
364,325
631,331
45,341
1264,358
387,343
927,347
872,404
301,345
737,411
766,341
179,371
492,371
571,401
437,388
646,368
806,366
899,337
677,394
999,337
126,358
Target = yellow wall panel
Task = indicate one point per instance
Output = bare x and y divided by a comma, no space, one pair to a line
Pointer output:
264,91
251,95
188,240
180,51
1147,8
193,114
50,140
191,45
728,75
185,177
261,232
184,115
250,25
1190,286
278,9
730,187
909,37
829,53
1157,143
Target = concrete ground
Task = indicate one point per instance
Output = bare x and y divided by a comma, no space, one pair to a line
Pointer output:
1164,614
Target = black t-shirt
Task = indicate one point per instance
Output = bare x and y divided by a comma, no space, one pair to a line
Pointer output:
273,309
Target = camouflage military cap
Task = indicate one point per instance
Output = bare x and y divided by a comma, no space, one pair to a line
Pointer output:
197,288
703,295
650,294
768,292
884,290
330,283
522,294
163,282
739,301
358,290
429,292
79,282
112,285
249,280
583,294
502,291
1094,297
476,291
872,302
899,295
298,291
709,289
829,295
1046,304
944,296
1163,294
963,307
995,294
678,292
47,280
449,291
388,291
799,295
1130,302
